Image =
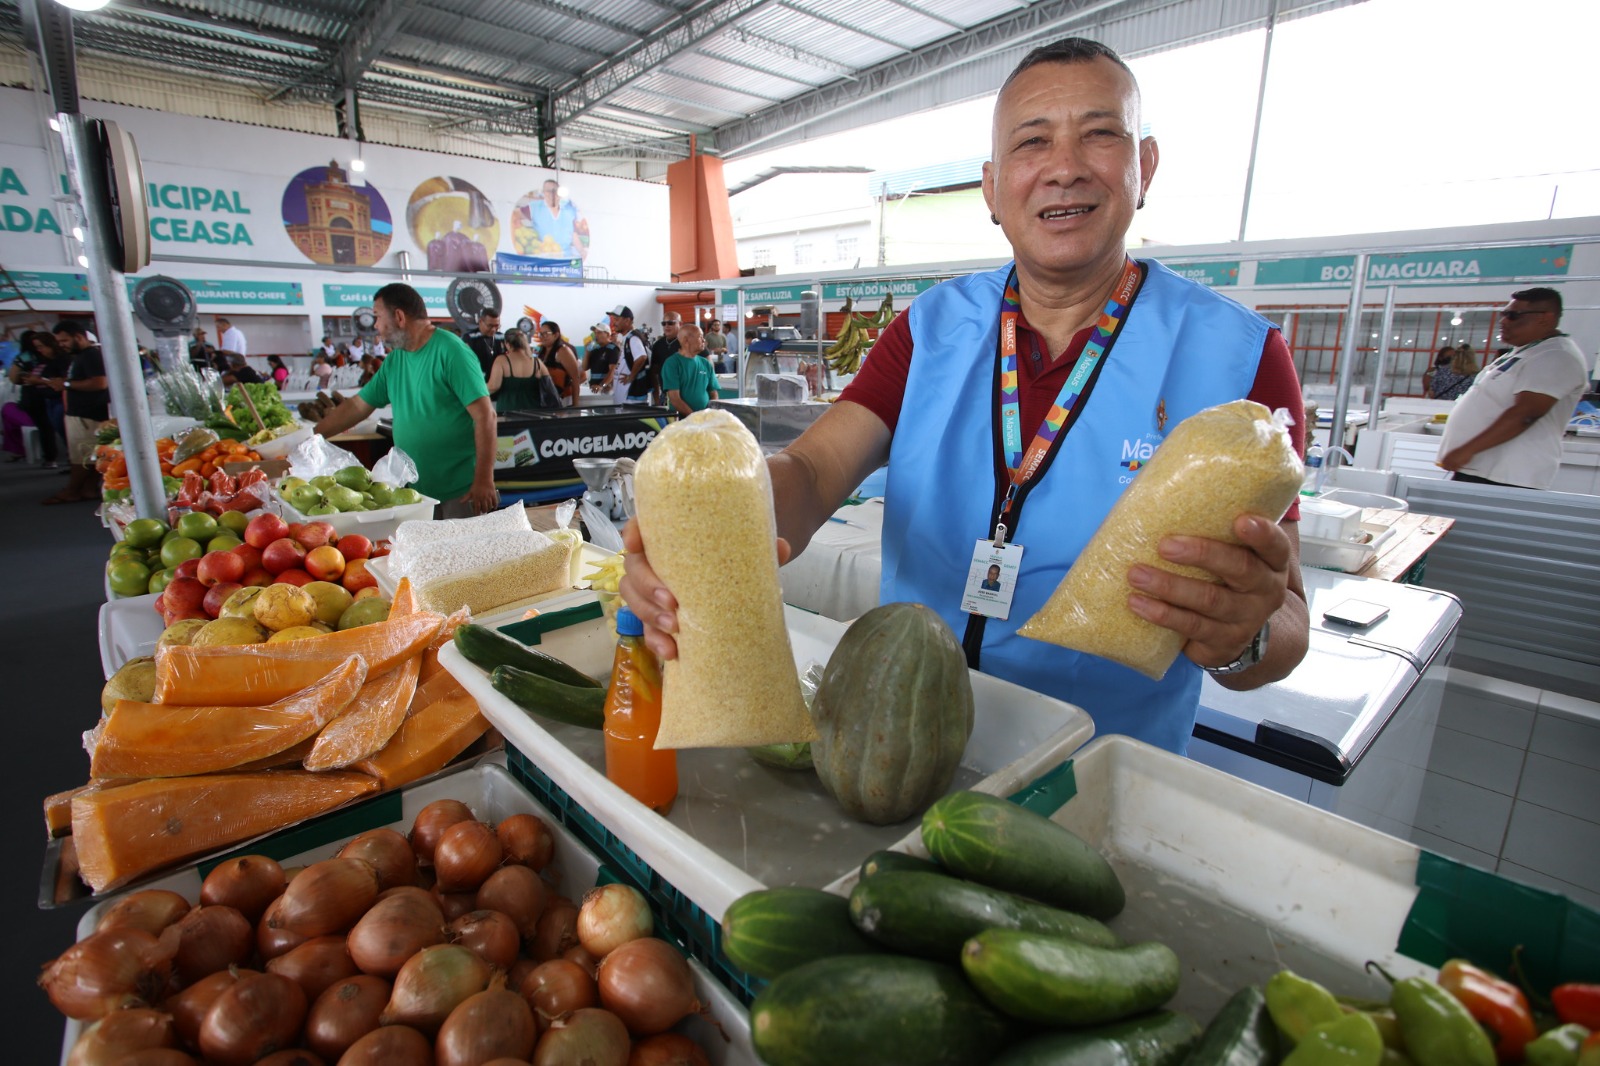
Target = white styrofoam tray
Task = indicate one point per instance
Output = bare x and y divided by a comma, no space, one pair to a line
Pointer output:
129,627
374,525
493,794
738,825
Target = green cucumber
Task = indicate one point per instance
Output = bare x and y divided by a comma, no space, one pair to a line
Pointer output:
1055,980
997,843
883,861
933,915
774,930
539,695
1242,1034
1160,1039
488,648
887,1010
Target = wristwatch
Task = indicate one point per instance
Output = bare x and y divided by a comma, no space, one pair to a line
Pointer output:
1253,653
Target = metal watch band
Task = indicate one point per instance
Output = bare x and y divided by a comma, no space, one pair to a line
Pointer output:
1253,653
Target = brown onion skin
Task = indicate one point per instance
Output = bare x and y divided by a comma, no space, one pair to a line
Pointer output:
272,939
579,955
260,1014
247,884
432,983
344,1013
389,853
593,1032
556,988
647,984
526,840
557,930
109,971
157,1056
466,854
519,971
611,916
518,893
328,898
152,910
492,1024
291,1057
316,964
668,1049
395,929
430,824
188,1008
211,939
454,904
392,1045
120,1033
490,934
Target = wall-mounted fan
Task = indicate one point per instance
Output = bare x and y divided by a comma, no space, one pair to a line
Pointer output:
527,326
165,305
469,297
364,321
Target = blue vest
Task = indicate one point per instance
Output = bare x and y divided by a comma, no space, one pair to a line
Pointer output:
1182,349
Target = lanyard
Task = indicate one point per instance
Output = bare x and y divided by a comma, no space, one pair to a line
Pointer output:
1021,466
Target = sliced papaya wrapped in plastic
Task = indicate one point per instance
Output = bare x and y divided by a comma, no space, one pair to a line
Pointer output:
404,600
249,675
175,740
126,831
442,685
294,756
427,741
58,810
370,720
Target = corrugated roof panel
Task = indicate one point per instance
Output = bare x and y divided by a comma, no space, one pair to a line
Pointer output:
707,115
770,82
923,179
819,36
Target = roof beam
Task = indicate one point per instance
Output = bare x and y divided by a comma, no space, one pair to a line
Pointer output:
697,79
364,40
189,18
605,109
789,51
765,71
925,13
698,105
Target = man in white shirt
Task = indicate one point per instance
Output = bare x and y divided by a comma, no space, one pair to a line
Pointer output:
1507,428
229,339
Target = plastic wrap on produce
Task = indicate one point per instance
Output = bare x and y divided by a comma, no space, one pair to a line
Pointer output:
315,457
1218,464
395,467
126,831
175,740
519,568
249,675
512,519
369,721
705,512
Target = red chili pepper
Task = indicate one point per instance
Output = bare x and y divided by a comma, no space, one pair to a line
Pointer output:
1499,1005
1578,1003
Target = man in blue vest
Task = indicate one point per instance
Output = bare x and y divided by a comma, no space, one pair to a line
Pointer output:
973,431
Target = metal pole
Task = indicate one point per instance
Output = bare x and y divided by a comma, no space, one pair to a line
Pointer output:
1255,134
1375,400
1347,369
883,202
113,316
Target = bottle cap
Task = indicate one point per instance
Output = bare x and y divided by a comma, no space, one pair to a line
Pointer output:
628,624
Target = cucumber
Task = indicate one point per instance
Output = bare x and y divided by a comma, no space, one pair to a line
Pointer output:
883,1010
933,915
1160,1039
539,695
775,930
488,648
1242,1034
997,843
884,861
1055,980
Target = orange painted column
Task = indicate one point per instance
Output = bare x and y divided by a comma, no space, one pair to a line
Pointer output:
702,222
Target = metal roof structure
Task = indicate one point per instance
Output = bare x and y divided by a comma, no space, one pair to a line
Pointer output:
610,86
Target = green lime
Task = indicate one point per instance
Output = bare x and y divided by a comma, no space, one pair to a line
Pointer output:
234,522
128,578
144,532
159,581
223,542
122,549
179,550
197,525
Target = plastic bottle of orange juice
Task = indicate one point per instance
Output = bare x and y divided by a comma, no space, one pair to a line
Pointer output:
632,718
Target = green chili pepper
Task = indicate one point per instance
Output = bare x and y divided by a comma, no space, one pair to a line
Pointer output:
1298,1006
1353,1040
1438,1029
1558,1047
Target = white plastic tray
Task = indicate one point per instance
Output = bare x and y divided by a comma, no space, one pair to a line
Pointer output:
129,627
493,794
738,825
374,525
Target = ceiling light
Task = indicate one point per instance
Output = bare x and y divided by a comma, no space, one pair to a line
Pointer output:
561,192
1456,321
83,261
358,165
77,234
84,5
55,127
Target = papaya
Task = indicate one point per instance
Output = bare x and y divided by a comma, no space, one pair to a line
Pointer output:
58,810
171,740
427,741
370,720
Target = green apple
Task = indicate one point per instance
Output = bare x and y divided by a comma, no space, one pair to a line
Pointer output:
144,532
234,522
197,526
223,542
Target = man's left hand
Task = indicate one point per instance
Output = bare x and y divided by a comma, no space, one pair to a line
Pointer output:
484,497
1453,460
1218,620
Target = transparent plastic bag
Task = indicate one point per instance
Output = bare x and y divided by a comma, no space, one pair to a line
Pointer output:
796,756
603,533
396,467
193,442
1218,464
316,457
706,515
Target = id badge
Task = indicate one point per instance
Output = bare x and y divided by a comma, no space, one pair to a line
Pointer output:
992,579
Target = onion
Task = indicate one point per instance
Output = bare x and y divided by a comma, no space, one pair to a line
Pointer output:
557,930
518,893
490,1025
316,964
396,928
668,1049
591,1036
272,939
388,852
108,971
247,884
188,1008
431,823
454,904
328,897
258,1015
344,1013
392,1045
519,971
291,1057
611,916
157,1056
122,1032
557,988
432,983
212,939
527,840
407,890
466,854
490,934
580,955
151,910
648,985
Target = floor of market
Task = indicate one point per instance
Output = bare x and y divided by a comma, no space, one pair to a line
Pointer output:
1510,762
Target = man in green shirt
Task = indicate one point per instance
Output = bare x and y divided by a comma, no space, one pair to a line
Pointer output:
443,417
687,378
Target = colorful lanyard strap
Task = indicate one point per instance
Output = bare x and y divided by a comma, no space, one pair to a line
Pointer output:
1022,466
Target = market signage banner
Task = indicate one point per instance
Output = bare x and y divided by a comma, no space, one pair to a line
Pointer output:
772,294
1425,268
536,266
867,290
252,293
1216,275
37,286
361,296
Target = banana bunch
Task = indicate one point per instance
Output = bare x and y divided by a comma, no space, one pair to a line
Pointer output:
844,355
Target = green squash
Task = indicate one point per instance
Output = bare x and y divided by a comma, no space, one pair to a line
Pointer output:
893,714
